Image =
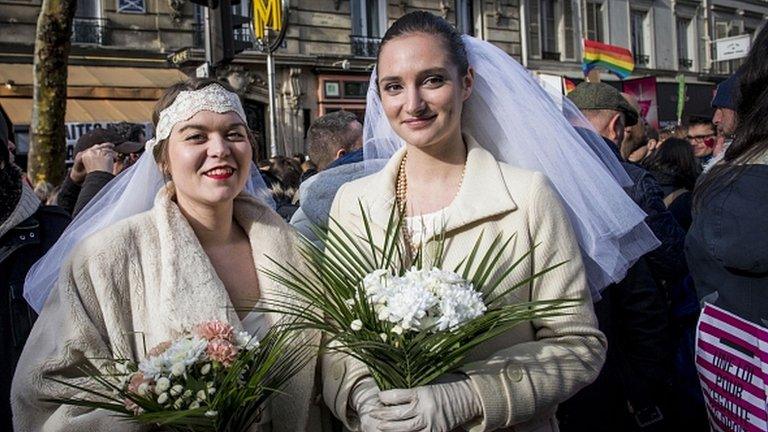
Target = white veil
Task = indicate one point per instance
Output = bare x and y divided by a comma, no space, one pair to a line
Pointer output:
132,192
514,118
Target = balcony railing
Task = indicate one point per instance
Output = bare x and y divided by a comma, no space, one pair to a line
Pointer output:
89,31
364,46
642,59
685,63
198,35
550,55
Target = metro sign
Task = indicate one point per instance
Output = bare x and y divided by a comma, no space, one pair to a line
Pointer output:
267,14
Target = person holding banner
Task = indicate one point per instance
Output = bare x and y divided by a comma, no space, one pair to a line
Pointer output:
727,251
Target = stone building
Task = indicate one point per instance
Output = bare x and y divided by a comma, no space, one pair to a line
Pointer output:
666,37
125,52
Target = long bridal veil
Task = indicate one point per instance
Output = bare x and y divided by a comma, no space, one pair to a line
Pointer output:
514,118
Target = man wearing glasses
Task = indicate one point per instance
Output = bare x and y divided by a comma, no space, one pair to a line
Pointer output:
702,135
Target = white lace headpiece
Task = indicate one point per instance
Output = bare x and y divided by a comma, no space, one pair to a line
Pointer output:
190,102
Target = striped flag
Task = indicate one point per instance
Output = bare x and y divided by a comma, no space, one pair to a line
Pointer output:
568,85
616,59
732,361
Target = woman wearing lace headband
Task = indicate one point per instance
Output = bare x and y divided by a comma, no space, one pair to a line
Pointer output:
475,145
156,268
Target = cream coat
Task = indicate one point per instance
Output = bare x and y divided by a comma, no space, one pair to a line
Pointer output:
523,375
143,280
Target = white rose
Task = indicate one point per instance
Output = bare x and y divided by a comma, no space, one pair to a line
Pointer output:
163,384
143,389
201,395
194,405
356,325
176,390
163,398
205,369
178,369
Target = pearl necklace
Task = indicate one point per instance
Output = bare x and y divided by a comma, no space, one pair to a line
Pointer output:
401,194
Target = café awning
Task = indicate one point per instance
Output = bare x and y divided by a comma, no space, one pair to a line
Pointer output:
85,110
94,93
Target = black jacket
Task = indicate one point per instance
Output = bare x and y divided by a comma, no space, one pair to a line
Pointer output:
20,248
634,316
667,262
727,245
73,197
681,206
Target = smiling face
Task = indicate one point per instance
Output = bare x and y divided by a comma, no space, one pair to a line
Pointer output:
421,90
209,158
702,139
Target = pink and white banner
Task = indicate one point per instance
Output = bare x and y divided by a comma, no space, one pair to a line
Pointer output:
732,360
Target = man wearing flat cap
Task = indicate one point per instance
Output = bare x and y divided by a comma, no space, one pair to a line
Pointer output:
605,108
634,385
100,155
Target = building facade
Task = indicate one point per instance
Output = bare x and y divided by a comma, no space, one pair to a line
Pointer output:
124,52
666,37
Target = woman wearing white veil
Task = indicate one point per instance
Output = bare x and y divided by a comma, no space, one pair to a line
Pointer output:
475,145
148,259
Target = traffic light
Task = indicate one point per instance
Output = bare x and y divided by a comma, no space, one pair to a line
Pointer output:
228,36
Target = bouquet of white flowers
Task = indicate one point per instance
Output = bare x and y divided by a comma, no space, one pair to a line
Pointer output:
408,321
213,379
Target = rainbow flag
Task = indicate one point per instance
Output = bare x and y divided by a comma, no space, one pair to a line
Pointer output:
568,85
616,59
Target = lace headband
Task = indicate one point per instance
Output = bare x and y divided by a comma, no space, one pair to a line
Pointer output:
188,103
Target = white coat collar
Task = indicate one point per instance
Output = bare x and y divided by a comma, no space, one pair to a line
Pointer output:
483,193
191,289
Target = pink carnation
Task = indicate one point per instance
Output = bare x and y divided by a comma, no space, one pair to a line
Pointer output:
159,349
222,351
211,330
137,379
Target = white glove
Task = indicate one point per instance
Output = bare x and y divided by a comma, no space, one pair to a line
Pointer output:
363,399
440,407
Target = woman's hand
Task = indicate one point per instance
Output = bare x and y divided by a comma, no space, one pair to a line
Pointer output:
440,407
364,399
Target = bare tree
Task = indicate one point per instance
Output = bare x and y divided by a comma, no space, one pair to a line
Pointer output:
47,135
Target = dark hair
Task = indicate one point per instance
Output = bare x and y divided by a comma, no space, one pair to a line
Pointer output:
160,151
330,133
651,132
751,136
129,131
675,159
699,120
425,22
287,174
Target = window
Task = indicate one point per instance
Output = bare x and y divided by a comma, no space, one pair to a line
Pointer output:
551,29
369,22
595,29
726,28
88,26
464,17
684,57
534,29
131,6
569,28
638,33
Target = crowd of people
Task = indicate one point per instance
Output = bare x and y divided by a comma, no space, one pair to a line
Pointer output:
623,363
